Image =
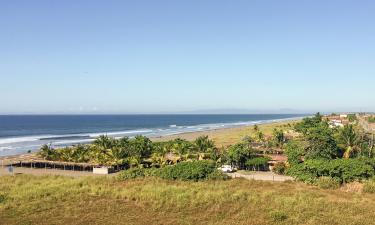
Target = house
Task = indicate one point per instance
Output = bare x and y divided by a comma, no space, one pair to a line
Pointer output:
337,120
335,123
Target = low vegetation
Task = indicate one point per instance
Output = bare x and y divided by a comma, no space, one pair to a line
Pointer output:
185,171
150,200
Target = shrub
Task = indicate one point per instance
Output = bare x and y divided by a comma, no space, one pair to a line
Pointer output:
328,183
298,172
345,170
195,170
279,168
218,175
369,187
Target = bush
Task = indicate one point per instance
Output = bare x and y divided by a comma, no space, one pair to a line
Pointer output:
344,170
196,170
298,172
369,187
328,183
279,168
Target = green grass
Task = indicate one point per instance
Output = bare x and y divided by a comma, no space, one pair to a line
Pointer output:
104,200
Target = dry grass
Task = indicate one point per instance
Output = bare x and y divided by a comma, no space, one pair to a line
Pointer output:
102,200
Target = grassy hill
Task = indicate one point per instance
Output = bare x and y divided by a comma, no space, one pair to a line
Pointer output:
105,200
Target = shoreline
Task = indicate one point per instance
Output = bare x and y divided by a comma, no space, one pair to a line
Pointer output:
222,137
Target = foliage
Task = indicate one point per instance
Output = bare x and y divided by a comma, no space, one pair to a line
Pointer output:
47,152
344,170
328,183
257,163
279,168
204,144
194,171
186,171
279,137
321,142
352,117
308,123
294,151
349,140
299,172
238,154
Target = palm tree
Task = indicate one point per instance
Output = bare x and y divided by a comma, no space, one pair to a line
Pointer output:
279,137
104,142
204,144
181,146
349,139
248,141
47,152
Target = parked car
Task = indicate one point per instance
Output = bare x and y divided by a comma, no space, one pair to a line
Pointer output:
227,168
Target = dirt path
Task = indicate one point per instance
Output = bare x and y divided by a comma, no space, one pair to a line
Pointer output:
266,176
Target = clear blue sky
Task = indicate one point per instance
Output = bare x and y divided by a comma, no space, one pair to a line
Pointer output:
178,56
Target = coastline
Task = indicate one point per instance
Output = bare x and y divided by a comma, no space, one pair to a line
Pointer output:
222,137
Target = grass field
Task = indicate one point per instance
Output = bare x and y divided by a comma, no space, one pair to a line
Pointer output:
103,200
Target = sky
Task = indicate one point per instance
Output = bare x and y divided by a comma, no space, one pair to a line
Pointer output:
186,56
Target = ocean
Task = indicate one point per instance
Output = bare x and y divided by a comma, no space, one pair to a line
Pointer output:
22,133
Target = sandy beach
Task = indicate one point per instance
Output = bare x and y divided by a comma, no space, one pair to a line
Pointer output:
228,136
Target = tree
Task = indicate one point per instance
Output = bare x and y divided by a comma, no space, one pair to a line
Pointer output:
321,142
308,123
257,163
181,146
238,154
204,144
349,139
294,151
279,137
140,147
104,142
47,152
248,141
